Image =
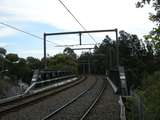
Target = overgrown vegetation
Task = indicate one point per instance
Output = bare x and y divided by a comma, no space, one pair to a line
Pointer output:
151,95
135,55
141,59
14,69
146,97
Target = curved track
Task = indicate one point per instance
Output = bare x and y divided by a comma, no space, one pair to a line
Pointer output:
25,101
76,108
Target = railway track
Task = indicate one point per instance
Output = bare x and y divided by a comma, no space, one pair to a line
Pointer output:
107,107
75,103
26,100
80,106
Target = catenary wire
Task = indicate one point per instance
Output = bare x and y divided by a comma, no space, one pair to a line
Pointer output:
77,20
31,34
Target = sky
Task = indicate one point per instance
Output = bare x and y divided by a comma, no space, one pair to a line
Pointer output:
49,16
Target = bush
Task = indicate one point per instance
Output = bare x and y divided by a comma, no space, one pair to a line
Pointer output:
4,85
150,92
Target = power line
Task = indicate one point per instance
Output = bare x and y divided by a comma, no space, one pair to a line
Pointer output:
17,29
77,20
35,36
73,45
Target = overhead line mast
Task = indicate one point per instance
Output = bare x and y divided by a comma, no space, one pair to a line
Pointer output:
83,32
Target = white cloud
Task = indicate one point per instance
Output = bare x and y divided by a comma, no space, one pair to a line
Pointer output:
47,11
95,14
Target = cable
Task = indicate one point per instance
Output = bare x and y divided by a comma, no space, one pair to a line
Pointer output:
33,35
77,20
73,45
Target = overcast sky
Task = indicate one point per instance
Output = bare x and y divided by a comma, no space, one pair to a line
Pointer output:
39,16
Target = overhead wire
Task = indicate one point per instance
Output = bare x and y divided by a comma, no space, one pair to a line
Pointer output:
28,33
73,45
35,36
77,20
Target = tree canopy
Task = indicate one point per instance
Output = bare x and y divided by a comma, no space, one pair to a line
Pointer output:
2,52
154,34
68,51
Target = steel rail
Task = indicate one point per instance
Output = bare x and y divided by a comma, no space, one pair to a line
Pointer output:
12,99
94,102
70,102
37,97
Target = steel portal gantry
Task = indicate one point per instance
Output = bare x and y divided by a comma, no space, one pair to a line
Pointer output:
80,40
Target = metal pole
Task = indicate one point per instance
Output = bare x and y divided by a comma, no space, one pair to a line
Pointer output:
80,39
88,64
45,62
117,48
83,65
89,61
77,32
106,60
110,58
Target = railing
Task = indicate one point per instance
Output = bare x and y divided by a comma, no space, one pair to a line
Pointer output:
9,99
45,82
122,109
120,101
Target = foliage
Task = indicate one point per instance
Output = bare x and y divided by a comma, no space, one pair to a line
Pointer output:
68,51
154,35
147,106
129,103
33,63
2,55
134,55
17,68
155,3
63,62
4,85
144,103
149,91
12,57
2,51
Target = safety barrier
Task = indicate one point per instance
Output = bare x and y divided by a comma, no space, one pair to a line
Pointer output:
26,93
120,101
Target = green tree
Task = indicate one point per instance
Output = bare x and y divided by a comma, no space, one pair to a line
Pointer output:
24,71
154,35
33,63
100,59
68,51
2,55
149,92
63,62
2,51
11,63
11,57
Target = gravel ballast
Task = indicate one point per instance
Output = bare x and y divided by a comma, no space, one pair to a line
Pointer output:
75,110
107,108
